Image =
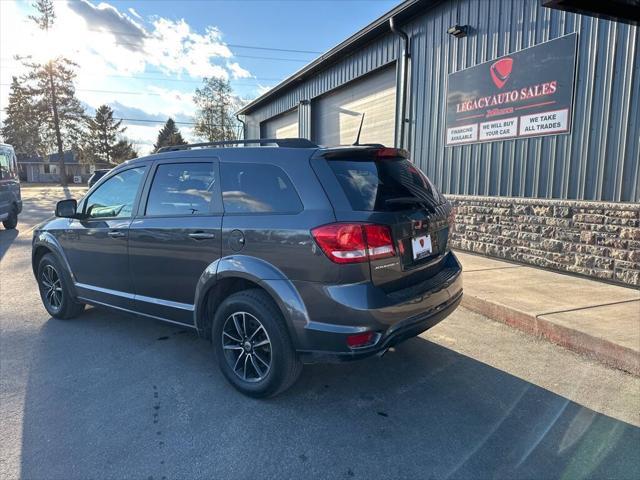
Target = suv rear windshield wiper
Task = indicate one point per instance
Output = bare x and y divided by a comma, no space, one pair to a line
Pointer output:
410,200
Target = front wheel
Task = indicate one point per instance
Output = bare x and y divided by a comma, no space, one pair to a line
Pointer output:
54,290
252,345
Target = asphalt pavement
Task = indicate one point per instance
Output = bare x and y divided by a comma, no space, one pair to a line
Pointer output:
109,395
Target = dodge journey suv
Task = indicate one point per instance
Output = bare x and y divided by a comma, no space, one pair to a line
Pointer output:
280,255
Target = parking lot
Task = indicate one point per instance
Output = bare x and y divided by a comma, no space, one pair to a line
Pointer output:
108,395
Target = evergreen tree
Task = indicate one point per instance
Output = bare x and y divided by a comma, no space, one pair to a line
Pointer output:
169,135
103,134
61,112
215,119
46,14
123,150
22,123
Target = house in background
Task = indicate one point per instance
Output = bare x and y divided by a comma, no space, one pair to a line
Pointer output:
47,170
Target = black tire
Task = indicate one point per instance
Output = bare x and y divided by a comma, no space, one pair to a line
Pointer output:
284,366
51,276
11,221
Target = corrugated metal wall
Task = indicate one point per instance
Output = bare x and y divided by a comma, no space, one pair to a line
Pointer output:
599,160
304,120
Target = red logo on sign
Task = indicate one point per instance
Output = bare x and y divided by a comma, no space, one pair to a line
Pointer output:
500,71
422,242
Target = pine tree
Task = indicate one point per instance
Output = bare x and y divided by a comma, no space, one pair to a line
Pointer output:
215,119
169,135
103,134
61,112
22,123
46,14
123,150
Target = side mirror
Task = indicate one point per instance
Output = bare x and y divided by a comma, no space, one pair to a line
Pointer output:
66,208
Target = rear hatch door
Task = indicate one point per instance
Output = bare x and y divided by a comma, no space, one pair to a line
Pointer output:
383,187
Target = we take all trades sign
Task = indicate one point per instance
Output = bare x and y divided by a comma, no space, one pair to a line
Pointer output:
525,94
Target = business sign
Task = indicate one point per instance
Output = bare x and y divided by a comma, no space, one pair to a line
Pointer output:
528,93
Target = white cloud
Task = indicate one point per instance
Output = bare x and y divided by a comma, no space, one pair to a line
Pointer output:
107,18
133,12
237,71
111,49
175,48
263,88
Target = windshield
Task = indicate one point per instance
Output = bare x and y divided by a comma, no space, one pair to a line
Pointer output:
384,185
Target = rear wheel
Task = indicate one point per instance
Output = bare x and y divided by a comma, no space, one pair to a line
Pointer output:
54,290
11,221
252,345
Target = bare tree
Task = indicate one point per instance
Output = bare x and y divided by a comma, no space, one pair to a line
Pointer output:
216,103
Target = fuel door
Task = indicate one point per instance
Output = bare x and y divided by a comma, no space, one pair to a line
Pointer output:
236,240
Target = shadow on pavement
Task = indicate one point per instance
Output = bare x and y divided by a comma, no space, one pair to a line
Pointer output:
6,239
116,396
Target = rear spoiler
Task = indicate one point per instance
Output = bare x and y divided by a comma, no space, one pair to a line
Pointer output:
363,152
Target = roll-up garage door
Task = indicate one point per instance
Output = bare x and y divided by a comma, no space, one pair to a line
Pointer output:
336,115
282,126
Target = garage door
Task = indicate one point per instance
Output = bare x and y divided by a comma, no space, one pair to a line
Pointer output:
336,115
282,126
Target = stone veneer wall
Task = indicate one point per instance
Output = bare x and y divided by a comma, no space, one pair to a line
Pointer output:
596,239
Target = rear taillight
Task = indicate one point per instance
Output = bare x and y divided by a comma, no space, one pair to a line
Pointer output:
354,242
379,241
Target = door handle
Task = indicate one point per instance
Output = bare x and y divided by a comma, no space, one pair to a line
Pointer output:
116,234
202,236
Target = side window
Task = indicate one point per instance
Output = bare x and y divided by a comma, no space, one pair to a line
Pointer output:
182,189
257,188
5,166
116,196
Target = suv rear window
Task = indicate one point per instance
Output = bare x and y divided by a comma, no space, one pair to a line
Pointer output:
257,188
384,185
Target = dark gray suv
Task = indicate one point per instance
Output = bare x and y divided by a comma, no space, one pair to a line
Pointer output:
280,255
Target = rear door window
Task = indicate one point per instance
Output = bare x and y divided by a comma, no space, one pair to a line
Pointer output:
182,189
384,185
257,188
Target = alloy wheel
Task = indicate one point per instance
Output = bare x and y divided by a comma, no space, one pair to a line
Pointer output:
52,287
246,346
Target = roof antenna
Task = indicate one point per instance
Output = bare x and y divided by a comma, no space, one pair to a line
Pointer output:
357,142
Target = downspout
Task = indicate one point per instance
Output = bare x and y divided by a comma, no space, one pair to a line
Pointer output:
404,73
244,127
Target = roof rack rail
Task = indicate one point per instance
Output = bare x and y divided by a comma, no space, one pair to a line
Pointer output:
280,142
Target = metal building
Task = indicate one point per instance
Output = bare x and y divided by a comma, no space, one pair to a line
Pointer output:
396,71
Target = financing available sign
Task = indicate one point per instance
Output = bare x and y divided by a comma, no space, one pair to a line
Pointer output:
525,94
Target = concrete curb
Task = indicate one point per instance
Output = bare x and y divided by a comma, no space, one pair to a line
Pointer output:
596,348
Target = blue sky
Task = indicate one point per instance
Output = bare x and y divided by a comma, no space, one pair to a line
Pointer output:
145,58
310,25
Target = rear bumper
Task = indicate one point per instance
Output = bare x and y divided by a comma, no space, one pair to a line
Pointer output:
339,311
405,330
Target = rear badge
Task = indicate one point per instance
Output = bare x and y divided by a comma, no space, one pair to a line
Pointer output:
388,265
421,246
